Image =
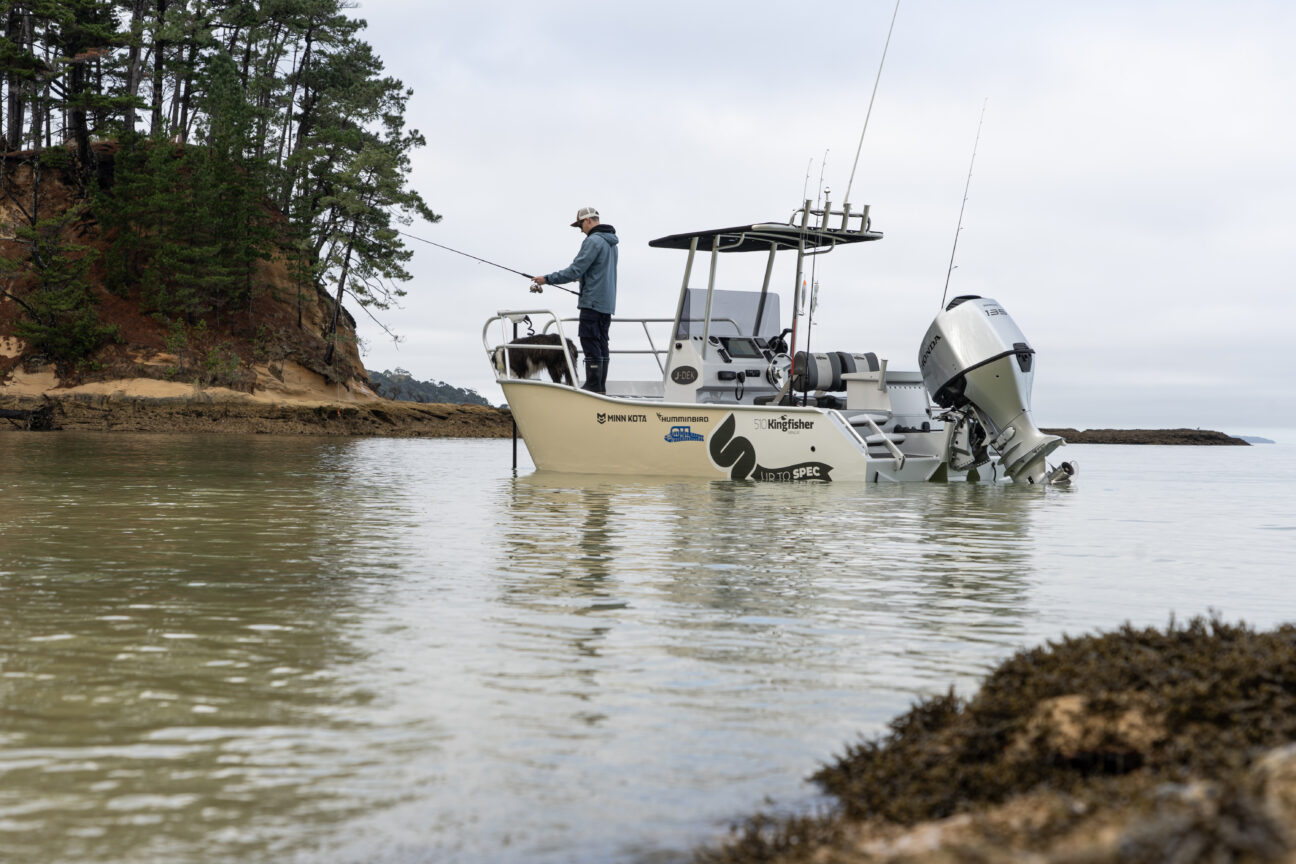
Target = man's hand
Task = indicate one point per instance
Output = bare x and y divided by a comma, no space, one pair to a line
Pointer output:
539,280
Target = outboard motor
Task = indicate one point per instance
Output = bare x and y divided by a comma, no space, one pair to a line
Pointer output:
974,356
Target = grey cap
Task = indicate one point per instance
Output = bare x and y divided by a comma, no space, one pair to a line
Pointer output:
584,213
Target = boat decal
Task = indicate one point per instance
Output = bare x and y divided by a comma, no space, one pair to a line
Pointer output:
682,433
682,418
684,375
738,454
800,471
604,417
782,423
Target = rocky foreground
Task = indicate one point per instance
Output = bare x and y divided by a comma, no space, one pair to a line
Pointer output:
1149,745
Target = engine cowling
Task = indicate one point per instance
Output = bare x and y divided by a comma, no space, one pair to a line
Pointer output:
975,358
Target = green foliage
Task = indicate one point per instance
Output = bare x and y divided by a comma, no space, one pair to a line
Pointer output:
187,229
401,387
241,106
59,315
56,158
64,324
221,365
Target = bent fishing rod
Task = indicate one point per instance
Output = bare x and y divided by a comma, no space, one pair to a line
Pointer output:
484,261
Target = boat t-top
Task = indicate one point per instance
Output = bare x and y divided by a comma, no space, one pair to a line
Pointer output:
736,399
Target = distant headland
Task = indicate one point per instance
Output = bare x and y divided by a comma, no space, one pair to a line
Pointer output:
1148,436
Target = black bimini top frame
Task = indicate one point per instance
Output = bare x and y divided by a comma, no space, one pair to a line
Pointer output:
763,236
810,231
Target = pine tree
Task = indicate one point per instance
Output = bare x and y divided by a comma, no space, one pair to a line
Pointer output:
49,282
218,107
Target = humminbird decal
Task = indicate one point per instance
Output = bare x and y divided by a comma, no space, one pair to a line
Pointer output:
682,418
738,454
682,433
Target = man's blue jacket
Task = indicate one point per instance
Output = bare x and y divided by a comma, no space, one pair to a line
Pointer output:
596,269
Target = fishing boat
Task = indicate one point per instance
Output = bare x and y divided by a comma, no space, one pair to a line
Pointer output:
735,399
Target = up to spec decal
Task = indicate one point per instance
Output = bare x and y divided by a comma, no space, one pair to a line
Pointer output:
737,454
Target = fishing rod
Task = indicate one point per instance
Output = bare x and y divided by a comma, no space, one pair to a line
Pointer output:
966,187
483,261
869,113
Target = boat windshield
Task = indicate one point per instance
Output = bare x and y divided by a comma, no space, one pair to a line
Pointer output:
733,313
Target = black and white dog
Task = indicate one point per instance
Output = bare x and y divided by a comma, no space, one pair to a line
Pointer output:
525,363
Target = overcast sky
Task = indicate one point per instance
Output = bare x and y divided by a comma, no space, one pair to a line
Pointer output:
1133,202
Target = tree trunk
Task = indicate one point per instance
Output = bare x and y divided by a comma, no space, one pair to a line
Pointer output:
77,86
17,31
133,65
159,55
13,100
183,123
337,306
290,180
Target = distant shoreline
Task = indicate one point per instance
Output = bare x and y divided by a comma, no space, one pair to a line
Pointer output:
206,412
373,417
1199,437
377,417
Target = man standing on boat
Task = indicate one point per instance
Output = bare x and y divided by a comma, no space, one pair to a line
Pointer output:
595,267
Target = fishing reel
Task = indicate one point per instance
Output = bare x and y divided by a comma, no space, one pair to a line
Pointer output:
537,288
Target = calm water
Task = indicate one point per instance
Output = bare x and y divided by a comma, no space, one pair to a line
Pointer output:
267,649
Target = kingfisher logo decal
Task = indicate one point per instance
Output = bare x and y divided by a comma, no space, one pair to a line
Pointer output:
738,454
682,433
782,423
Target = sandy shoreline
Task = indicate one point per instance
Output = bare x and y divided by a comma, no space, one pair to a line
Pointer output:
118,412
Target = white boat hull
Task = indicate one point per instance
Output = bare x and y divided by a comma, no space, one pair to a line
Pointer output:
569,430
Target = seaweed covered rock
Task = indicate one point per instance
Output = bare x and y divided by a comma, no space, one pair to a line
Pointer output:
1136,745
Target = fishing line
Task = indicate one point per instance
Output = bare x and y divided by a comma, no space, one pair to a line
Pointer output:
966,187
482,260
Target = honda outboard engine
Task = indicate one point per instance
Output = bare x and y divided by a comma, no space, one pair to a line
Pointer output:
974,359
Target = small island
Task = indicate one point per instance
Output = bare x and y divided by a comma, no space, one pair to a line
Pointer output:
1148,436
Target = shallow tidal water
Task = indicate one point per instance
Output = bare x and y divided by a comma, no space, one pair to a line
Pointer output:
258,648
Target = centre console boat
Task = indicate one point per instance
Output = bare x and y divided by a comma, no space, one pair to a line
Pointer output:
735,399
